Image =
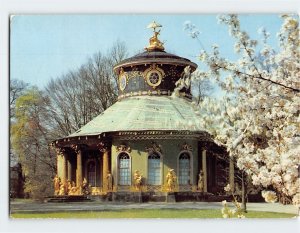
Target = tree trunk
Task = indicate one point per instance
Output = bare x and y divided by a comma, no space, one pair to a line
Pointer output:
244,193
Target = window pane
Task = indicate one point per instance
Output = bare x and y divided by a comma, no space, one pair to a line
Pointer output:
184,169
92,174
154,177
124,169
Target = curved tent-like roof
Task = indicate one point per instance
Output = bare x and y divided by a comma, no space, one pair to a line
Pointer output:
140,113
155,56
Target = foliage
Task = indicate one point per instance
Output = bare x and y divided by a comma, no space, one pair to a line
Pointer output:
67,103
16,89
235,212
258,117
29,138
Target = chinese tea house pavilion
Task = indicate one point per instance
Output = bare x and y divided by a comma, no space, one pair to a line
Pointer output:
149,142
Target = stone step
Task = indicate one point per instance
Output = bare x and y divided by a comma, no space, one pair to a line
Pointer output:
78,198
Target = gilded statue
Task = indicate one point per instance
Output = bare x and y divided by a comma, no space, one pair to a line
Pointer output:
171,180
201,182
109,179
154,42
85,187
56,183
137,177
62,190
84,183
73,190
69,186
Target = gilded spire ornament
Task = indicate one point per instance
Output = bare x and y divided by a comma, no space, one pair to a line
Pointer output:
154,42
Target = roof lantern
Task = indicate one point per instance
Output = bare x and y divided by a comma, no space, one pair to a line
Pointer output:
154,71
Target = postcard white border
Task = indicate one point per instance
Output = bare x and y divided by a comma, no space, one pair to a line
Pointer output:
8,7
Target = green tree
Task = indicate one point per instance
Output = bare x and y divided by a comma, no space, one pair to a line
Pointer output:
30,138
67,103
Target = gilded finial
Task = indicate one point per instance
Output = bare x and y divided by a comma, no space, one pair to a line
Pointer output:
154,25
154,42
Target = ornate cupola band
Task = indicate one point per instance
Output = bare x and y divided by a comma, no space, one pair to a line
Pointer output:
153,72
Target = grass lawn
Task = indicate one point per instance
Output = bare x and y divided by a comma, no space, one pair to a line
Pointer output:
147,213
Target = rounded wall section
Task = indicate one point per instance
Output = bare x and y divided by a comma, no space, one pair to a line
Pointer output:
153,73
168,149
155,79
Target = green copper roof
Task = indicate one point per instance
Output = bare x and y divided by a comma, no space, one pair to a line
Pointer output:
144,113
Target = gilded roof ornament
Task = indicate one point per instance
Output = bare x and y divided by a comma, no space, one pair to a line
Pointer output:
154,42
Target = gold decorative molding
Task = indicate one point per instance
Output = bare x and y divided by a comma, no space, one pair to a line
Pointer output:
76,148
103,147
186,147
60,150
123,79
123,148
154,76
154,148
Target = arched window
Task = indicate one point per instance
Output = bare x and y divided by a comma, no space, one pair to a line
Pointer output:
91,173
154,176
124,169
184,168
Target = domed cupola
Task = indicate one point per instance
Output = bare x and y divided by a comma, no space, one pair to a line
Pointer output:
154,72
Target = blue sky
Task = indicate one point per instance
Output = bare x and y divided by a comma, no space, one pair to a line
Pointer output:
48,46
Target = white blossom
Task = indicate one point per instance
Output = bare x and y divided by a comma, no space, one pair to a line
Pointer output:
227,188
296,200
269,196
258,121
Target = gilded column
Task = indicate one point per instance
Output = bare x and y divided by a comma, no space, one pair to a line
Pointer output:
79,169
231,173
100,172
105,165
69,165
105,169
78,151
60,165
204,169
64,168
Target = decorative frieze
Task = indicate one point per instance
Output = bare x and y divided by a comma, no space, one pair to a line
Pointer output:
161,135
60,150
123,148
186,147
76,148
154,148
140,93
103,147
172,71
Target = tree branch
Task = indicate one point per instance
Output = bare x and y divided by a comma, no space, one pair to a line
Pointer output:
258,77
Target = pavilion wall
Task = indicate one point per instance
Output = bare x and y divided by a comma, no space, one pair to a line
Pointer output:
170,151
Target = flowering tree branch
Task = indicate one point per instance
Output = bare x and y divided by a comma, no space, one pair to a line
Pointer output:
239,73
268,148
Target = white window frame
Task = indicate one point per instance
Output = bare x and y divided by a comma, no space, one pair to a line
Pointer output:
191,167
160,170
118,168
